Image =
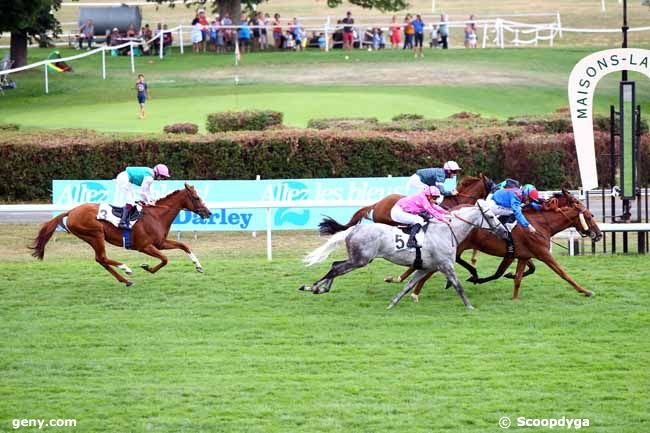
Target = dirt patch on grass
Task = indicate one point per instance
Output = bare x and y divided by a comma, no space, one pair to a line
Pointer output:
360,73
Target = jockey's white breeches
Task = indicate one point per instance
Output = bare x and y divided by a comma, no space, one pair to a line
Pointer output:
399,215
499,210
125,188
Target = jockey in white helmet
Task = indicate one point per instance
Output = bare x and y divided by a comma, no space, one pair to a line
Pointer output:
142,177
444,178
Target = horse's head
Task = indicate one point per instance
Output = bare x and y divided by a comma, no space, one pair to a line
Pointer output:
584,221
489,221
489,186
470,189
194,203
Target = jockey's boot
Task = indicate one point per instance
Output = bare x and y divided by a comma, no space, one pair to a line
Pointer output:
510,245
412,242
124,221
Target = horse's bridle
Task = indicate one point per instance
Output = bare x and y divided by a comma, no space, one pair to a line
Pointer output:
492,228
585,232
194,204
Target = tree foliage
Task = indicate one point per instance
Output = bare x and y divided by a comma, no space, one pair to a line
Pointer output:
228,5
27,19
33,17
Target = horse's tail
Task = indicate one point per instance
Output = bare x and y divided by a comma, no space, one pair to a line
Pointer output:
44,235
322,252
329,226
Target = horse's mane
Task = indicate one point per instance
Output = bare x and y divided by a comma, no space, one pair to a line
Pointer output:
164,199
467,181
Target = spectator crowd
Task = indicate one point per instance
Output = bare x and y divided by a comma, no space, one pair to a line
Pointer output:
259,31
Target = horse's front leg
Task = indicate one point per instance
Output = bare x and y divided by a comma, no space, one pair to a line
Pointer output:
550,261
152,251
419,275
503,267
169,244
401,278
450,273
418,288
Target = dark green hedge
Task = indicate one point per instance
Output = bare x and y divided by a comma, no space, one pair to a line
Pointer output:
29,161
253,120
181,128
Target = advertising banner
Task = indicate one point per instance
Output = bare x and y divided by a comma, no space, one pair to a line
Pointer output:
75,192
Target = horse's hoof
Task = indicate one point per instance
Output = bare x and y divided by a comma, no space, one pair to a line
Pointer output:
509,275
391,305
304,288
472,280
416,298
388,280
470,307
129,283
589,294
199,269
145,266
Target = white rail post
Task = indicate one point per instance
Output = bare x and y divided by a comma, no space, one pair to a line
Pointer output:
516,37
559,24
103,64
327,34
485,32
269,252
161,43
132,58
180,38
502,42
536,36
550,41
47,84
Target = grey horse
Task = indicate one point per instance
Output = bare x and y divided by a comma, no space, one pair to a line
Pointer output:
366,242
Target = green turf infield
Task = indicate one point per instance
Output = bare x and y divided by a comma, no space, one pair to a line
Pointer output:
493,82
239,349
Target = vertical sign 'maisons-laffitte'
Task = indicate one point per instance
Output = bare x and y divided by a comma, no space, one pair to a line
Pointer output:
582,84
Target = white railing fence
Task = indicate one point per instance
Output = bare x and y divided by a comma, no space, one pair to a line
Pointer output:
570,234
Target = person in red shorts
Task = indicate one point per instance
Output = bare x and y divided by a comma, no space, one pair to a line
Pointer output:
348,32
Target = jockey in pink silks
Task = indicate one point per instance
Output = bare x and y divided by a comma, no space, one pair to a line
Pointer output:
408,210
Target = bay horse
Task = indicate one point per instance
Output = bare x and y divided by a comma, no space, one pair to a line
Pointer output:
560,213
148,236
470,189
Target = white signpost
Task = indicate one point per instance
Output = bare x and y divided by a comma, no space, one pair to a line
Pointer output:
582,85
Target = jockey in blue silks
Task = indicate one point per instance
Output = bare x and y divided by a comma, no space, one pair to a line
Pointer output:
445,178
509,201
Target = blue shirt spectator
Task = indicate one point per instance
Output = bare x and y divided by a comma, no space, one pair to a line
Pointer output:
244,30
418,26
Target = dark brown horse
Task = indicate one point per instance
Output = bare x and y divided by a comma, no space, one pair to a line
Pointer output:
470,189
560,213
148,236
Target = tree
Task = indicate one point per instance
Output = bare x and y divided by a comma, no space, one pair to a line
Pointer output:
233,7
27,19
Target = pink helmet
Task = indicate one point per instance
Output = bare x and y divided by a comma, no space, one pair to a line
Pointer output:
451,166
161,170
432,191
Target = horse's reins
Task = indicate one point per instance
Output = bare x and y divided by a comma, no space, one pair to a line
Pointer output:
492,229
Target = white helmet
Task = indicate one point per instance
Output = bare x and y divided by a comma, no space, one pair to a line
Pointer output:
451,166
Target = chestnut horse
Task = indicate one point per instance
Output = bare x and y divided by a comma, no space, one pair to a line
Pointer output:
470,189
552,219
148,236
